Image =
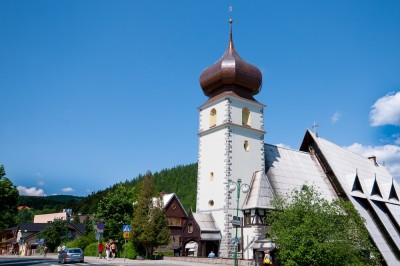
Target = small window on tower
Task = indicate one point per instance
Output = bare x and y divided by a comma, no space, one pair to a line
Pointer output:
246,116
211,203
212,176
246,145
213,117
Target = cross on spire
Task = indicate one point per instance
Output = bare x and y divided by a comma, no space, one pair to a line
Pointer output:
315,128
230,14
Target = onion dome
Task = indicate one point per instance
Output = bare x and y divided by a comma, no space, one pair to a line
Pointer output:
231,73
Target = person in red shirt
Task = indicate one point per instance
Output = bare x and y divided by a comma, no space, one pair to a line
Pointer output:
100,248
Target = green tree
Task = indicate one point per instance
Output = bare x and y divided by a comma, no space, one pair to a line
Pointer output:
309,230
149,223
25,216
55,234
115,209
89,226
8,201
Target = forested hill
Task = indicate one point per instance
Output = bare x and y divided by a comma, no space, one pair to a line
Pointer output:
181,180
55,203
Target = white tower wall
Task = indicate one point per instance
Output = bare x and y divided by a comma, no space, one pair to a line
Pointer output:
228,150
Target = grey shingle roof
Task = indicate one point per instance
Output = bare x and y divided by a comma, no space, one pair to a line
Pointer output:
371,189
289,169
260,193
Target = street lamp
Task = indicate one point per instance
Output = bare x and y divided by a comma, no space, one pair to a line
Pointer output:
237,186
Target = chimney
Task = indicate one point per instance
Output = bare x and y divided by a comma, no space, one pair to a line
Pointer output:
373,159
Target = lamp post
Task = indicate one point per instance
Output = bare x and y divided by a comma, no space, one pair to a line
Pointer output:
237,186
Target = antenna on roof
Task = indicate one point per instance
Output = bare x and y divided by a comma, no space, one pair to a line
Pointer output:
315,128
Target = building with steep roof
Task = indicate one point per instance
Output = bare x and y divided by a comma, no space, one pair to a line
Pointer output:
231,147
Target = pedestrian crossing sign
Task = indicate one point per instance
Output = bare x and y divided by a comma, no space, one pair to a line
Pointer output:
126,228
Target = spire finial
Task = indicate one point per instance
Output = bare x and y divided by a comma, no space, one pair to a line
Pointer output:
230,16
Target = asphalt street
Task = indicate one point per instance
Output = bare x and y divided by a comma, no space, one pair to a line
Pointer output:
51,260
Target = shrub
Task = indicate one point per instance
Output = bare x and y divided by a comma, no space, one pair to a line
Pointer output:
82,242
131,252
91,250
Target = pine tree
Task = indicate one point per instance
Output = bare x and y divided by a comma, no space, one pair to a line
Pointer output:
149,223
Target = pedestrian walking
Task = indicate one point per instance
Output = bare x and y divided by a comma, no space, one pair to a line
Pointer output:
108,250
100,248
113,250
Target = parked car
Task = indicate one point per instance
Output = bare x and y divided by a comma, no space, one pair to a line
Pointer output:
71,255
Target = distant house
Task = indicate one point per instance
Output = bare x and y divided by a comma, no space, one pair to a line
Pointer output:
8,244
50,217
176,217
24,238
20,208
202,234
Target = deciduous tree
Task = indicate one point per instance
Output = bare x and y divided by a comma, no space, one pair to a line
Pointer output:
8,201
309,230
55,234
115,210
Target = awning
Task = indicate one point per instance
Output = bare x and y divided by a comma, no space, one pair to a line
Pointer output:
263,245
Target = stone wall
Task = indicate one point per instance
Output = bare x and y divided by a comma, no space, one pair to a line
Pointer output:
212,261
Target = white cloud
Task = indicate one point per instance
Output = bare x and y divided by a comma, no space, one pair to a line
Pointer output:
40,183
336,116
67,189
388,154
386,110
30,191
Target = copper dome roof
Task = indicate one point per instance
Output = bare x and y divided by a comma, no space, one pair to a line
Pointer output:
231,73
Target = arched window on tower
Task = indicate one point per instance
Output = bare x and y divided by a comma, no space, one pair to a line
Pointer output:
213,117
246,116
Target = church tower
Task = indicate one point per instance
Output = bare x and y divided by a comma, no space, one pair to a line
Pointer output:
231,138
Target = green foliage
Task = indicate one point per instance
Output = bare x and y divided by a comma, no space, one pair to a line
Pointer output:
115,209
25,216
54,234
91,250
181,180
49,204
309,230
75,220
83,241
131,252
8,201
149,224
89,225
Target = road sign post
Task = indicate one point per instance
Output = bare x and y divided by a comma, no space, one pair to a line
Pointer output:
126,233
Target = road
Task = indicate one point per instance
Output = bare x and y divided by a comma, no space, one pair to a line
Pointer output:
51,260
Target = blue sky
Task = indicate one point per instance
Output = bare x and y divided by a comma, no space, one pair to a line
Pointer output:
97,92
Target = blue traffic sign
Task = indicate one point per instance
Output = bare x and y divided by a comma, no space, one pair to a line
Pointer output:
100,226
126,228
